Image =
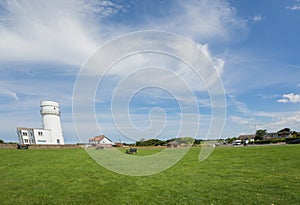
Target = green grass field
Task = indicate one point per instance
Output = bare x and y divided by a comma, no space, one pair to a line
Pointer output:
231,175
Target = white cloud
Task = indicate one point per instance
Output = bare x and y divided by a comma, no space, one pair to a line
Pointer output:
292,98
59,31
9,93
283,100
204,20
218,63
295,7
207,68
241,106
103,8
241,120
256,18
274,121
68,31
290,120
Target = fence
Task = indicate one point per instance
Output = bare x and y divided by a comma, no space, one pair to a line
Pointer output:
35,146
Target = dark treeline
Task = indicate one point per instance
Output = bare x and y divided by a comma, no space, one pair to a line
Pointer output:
157,142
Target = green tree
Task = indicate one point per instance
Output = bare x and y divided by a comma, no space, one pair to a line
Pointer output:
150,142
259,134
198,141
1,141
295,134
230,140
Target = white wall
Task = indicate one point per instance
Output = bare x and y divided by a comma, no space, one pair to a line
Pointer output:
51,121
43,136
105,141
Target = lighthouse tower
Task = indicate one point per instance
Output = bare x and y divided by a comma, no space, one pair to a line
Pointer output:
51,121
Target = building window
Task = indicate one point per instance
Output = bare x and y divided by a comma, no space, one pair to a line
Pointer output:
40,133
57,141
26,140
24,133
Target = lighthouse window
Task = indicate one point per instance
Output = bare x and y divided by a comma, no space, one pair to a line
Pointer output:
40,133
24,133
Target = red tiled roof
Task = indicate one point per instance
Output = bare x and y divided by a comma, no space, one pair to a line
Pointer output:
97,138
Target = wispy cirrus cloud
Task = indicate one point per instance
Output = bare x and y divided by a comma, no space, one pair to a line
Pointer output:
69,31
9,93
241,120
56,31
203,20
240,106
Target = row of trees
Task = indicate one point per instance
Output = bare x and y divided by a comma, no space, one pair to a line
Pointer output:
157,142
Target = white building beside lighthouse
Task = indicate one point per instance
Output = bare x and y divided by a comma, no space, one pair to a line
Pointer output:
51,133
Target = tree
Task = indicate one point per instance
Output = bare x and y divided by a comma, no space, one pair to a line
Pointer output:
150,142
295,134
230,140
259,134
198,141
1,141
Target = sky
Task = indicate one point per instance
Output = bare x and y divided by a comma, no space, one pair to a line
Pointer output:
47,46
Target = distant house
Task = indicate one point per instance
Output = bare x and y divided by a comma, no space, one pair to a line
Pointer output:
173,144
100,142
284,133
245,137
118,144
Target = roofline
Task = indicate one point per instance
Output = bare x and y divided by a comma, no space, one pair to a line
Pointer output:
29,128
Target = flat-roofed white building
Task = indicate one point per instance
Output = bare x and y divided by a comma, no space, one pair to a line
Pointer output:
51,133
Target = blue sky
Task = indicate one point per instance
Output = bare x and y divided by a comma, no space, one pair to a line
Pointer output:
254,46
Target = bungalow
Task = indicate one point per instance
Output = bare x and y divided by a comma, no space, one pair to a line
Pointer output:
284,133
101,142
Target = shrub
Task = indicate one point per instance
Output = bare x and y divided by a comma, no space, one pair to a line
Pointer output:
270,141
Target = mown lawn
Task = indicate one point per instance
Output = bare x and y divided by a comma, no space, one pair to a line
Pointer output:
231,175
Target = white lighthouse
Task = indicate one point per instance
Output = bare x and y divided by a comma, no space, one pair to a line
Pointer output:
51,133
51,121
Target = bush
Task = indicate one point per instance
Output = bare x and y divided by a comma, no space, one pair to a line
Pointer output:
278,140
263,142
270,141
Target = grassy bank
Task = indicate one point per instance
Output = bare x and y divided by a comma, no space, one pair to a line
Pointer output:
231,175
